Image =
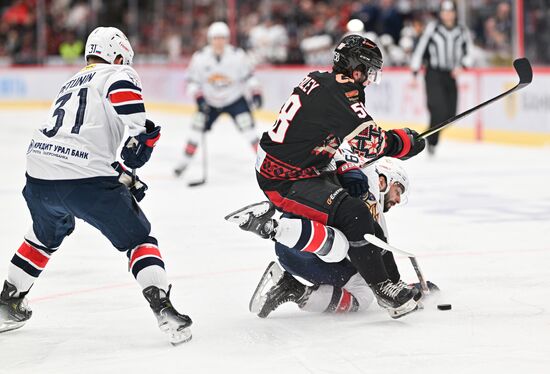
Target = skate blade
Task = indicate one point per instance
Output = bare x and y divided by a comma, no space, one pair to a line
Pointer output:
176,336
407,308
273,273
241,216
9,326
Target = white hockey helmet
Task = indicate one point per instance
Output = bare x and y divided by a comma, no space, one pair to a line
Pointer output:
108,43
394,172
218,30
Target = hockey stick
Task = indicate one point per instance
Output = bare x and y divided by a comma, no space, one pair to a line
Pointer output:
202,181
382,244
525,74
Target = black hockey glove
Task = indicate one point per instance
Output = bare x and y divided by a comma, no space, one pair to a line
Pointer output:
353,179
137,150
257,100
404,143
202,105
136,186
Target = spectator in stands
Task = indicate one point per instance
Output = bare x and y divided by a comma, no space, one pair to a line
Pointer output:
269,41
498,34
391,20
71,48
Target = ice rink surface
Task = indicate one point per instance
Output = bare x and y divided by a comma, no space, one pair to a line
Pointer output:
478,217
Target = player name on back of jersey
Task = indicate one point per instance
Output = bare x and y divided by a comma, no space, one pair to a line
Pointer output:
77,82
308,84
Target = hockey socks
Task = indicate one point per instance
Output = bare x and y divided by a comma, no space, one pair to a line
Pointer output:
328,243
353,296
330,299
27,265
147,266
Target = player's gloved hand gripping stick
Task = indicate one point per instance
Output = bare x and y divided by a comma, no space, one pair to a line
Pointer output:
137,150
136,186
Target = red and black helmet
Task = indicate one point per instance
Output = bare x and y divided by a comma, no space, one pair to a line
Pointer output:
355,52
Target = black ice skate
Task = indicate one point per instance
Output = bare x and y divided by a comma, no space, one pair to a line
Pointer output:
256,218
417,295
397,298
285,288
175,325
14,311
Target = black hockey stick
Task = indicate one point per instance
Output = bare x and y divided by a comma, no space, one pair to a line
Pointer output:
202,181
525,74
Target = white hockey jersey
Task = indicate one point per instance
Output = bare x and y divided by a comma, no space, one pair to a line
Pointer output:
86,123
375,198
220,80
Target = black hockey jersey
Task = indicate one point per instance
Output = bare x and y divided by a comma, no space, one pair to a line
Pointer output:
324,110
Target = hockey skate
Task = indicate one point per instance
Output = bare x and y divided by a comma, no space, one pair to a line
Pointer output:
174,324
397,298
14,311
283,288
256,218
178,171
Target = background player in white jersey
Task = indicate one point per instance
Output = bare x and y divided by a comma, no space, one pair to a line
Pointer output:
220,76
71,173
317,253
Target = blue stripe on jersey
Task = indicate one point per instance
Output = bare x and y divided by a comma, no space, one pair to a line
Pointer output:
123,84
130,108
25,266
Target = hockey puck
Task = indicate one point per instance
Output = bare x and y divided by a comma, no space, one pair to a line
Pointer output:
444,307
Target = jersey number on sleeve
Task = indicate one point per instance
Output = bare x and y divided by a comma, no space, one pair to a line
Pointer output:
286,115
59,113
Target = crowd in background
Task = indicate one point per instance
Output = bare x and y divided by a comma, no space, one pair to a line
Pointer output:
272,31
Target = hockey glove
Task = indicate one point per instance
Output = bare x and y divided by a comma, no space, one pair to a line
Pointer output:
136,186
202,105
257,100
405,143
353,179
137,150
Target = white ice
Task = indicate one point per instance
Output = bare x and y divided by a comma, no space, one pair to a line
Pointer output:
478,217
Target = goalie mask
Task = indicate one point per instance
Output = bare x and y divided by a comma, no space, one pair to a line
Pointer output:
107,43
355,52
394,173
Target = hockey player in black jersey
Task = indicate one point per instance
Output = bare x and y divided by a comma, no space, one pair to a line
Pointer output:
325,111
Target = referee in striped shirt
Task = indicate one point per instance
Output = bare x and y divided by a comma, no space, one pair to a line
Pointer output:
444,48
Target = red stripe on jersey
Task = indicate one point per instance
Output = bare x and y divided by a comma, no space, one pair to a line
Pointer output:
345,302
144,250
318,236
123,96
33,255
291,206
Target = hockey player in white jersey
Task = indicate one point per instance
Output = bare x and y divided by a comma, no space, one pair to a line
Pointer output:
72,173
317,253
220,76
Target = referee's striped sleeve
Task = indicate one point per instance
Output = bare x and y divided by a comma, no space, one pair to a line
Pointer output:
420,50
